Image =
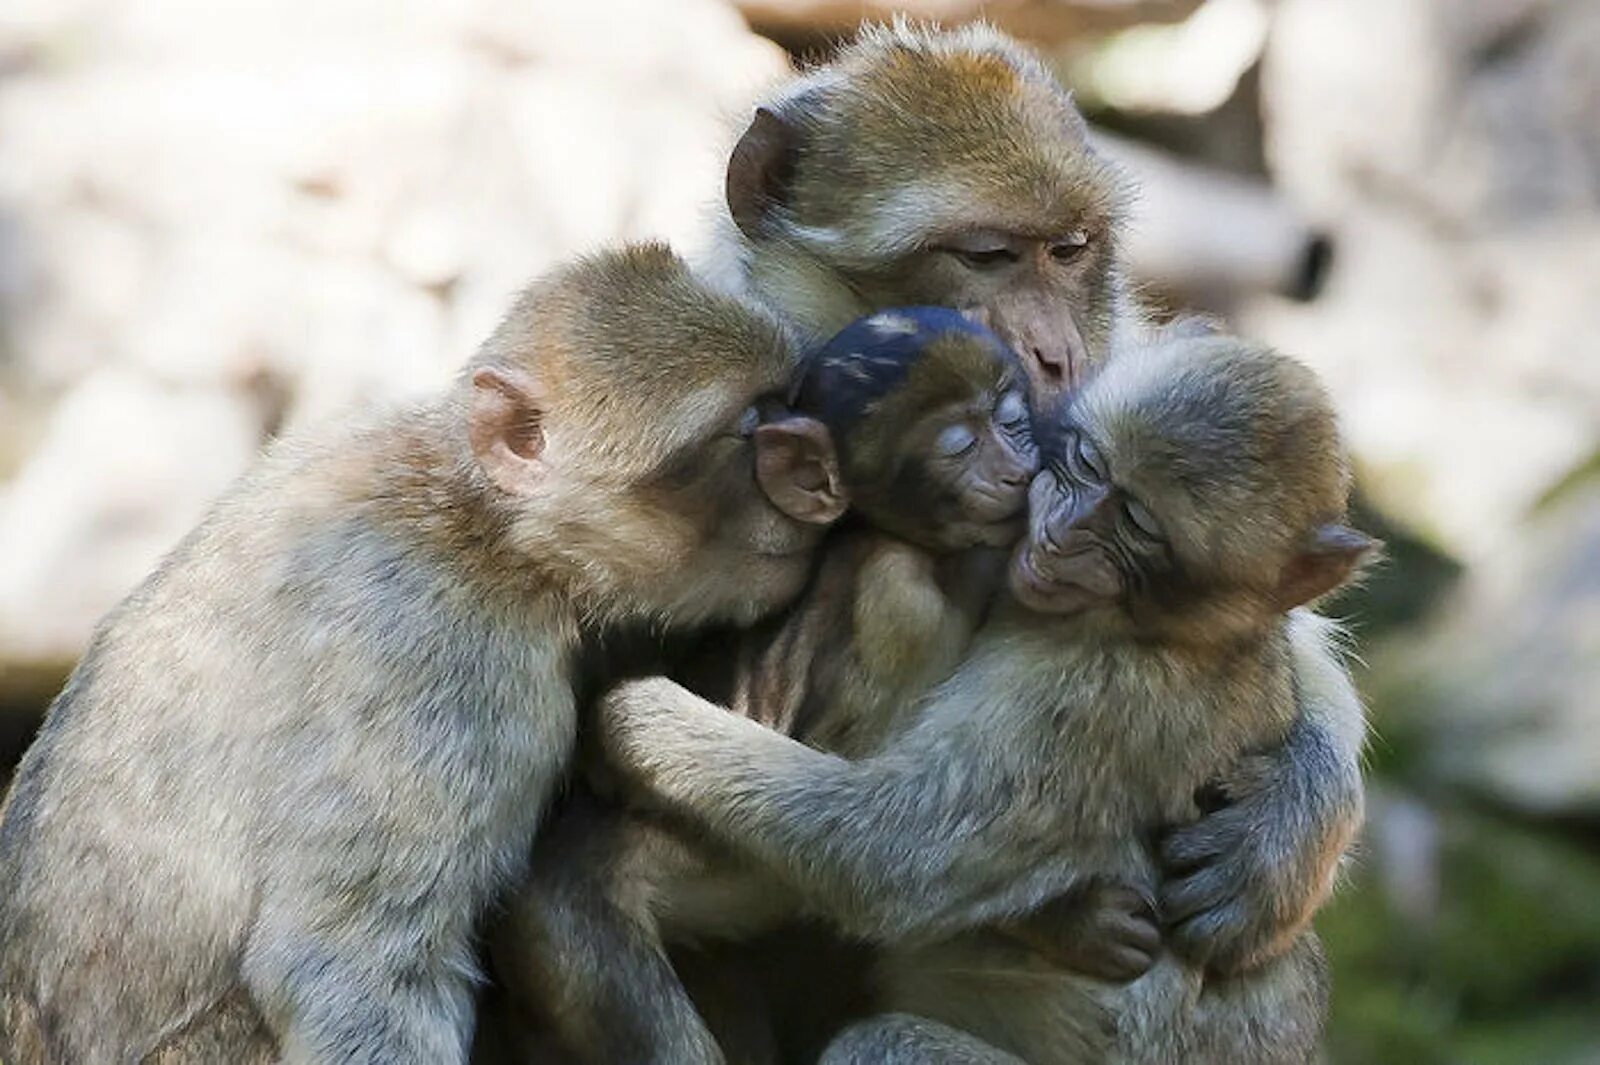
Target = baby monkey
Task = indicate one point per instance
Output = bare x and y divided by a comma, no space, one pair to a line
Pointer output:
929,416
1194,493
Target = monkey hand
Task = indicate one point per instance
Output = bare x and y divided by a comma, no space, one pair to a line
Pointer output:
1106,930
1240,883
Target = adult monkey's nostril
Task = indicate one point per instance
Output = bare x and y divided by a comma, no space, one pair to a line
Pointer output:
1054,368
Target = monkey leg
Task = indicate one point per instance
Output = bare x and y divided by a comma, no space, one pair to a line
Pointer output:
904,1039
579,950
378,988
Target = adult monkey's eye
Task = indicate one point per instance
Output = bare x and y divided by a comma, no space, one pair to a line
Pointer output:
955,440
980,250
1089,456
1012,410
984,258
1141,517
1070,246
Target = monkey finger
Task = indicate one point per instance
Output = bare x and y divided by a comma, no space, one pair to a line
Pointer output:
1141,933
1123,897
1207,889
1122,964
1190,847
1204,937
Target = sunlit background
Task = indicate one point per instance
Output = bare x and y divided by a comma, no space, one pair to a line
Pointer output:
217,219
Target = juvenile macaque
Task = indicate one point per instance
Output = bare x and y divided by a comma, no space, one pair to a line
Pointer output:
935,454
951,168
298,762
1194,494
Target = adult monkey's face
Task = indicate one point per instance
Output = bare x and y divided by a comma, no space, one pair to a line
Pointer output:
936,168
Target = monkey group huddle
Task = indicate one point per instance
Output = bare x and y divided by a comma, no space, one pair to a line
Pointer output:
964,610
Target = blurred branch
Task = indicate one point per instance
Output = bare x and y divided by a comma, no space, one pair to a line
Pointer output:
1208,237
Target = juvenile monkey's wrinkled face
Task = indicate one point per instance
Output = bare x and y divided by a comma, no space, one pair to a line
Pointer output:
979,460
1091,542
1197,485
935,435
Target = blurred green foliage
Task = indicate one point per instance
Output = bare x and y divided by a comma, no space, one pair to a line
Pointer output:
1504,970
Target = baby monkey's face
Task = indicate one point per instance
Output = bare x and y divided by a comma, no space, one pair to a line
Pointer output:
980,458
931,413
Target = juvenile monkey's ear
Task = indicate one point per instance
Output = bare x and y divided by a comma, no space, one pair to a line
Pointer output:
798,469
760,168
1333,555
505,426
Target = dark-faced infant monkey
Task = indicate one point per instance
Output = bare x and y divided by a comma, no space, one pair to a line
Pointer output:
295,765
1194,493
931,423
951,168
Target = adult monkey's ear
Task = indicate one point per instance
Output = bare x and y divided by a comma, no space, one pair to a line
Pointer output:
798,469
505,427
762,165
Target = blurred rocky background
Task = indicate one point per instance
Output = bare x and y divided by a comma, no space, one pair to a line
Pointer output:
216,220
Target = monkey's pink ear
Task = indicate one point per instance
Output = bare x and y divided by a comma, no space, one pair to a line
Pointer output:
1334,554
760,168
798,469
505,425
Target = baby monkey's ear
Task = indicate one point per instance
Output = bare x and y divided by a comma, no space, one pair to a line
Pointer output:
1333,555
505,426
798,469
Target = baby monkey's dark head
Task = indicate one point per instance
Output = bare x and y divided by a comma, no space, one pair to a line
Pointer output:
1199,486
930,417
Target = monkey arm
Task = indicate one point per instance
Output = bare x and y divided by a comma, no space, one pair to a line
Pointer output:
921,841
1243,881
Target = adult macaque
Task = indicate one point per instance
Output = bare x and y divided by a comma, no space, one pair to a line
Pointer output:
298,762
933,168
935,454
951,168
1195,494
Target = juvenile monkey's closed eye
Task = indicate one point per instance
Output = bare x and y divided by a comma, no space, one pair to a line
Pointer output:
955,440
1089,457
1012,410
1141,517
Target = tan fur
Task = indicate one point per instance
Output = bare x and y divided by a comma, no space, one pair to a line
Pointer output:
909,137
883,620
895,150
297,764
1060,745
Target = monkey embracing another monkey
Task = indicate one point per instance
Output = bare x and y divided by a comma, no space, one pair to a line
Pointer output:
929,416
295,765
951,168
1195,493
